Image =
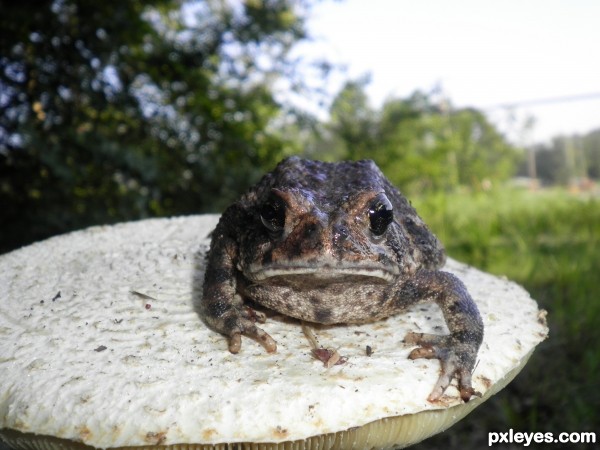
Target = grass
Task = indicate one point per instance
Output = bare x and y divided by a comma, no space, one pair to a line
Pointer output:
549,242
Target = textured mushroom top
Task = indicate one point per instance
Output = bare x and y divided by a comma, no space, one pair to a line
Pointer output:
100,342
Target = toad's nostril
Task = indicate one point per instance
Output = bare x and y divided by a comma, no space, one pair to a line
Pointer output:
310,230
340,233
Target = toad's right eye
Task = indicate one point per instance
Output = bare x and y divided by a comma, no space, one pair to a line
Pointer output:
381,214
272,214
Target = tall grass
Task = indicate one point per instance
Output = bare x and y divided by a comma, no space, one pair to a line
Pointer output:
549,242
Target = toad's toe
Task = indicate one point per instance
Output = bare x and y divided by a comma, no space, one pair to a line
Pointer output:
456,358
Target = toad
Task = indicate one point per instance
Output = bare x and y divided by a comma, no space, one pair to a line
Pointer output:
335,243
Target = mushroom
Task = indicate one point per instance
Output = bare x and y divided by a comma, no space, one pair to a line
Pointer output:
101,346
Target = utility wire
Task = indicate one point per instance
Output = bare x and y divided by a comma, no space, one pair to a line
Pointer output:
545,101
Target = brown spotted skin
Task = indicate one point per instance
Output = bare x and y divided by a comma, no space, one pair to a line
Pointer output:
335,243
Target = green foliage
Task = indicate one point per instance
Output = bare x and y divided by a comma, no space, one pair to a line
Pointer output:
420,144
121,110
568,159
115,111
590,146
548,242
353,123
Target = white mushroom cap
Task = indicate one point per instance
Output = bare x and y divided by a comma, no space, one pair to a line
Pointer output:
100,344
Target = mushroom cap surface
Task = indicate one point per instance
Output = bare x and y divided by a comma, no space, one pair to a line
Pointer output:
101,344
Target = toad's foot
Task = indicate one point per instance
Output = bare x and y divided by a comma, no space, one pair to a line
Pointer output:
456,358
244,324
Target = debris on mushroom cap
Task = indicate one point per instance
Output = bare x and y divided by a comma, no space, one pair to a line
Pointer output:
94,365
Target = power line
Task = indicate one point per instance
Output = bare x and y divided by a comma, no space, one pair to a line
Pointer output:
545,101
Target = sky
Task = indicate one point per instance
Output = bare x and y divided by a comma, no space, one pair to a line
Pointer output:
482,53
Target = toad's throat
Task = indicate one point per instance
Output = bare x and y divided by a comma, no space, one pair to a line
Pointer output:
359,273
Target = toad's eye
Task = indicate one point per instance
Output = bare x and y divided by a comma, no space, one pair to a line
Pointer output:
381,214
272,214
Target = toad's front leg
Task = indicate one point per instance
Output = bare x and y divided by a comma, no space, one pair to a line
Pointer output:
457,351
221,307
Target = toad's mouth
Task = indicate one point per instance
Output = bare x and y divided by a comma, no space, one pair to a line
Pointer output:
338,273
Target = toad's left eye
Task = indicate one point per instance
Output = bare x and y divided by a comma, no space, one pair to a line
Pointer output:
381,214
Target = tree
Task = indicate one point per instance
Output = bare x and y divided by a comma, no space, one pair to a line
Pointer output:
420,143
353,122
408,131
591,151
119,110
569,159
